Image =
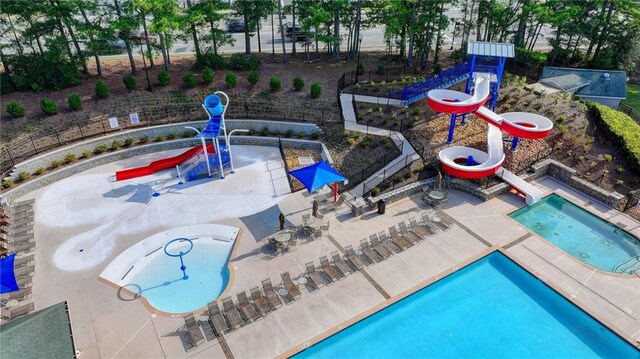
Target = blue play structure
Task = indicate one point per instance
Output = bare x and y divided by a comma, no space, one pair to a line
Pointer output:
444,79
202,163
183,267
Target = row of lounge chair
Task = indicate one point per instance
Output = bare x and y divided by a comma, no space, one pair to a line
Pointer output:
16,236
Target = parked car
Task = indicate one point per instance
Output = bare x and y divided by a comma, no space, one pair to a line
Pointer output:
288,32
235,26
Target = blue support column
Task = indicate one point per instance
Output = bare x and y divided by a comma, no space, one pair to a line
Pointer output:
452,126
472,68
514,144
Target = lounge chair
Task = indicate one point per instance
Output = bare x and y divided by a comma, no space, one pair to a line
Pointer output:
13,313
320,216
272,297
340,263
369,253
328,268
292,288
397,239
426,221
259,301
378,247
193,329
216,319
306,216
246,308
315,277
420,230
231,313
385,240
407,234
445,221
332,206
353,257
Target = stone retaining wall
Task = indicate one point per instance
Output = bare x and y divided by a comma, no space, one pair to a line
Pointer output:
547,167
45,160
99,160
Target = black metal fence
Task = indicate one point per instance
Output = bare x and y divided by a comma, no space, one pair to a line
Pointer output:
356,178
632,112
54,138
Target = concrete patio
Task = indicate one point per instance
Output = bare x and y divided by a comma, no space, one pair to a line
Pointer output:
86,211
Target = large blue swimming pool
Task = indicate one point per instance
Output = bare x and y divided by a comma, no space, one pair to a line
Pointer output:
581,234
492,308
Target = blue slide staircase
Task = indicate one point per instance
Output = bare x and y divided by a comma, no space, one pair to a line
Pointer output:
200,170
444,79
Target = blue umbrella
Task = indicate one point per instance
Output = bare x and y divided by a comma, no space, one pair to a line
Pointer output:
7,276
317,175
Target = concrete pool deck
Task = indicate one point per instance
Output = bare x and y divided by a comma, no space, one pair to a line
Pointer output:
104,218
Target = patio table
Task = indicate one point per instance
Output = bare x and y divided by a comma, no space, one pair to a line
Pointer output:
282,237
312,223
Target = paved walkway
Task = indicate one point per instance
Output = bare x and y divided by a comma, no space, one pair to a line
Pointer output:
408,155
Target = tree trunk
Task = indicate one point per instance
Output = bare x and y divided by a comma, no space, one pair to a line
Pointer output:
213,36
164,52
194,34
64,36
293,31
356,32
258,32
604,31
93,47
146,35
284,47
594,32
247,38
273,35
522,25
85,69
479,21
336,35
436,55
127,43
13,30
5,64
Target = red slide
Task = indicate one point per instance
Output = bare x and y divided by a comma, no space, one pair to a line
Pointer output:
160,164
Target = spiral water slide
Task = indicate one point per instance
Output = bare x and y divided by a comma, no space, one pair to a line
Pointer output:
467,162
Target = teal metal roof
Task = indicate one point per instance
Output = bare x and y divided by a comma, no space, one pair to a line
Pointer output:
43,334
597,83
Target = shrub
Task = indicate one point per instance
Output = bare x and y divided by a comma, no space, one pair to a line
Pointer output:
506,106
128,142
74,101
54,164
187,134
102,90
164,78
209,60
130,82
563,129
407,175
275,84
380,69
189,80
231,79
351,141
207,75
116,144
562,118
298,83
375,191
264,131
86,154
360,69
159,138
49,107
288,134
15,109
36,72
623,129
253,77
316,90
69,157
100,149
620,169
240,62
315,135
144,139
607,157
7,183
172,135
23,176
39,170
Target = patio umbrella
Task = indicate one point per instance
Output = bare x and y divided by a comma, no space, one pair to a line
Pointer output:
281,219
318,175
439,180
7,276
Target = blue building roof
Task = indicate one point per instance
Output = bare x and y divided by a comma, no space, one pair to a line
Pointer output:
597,83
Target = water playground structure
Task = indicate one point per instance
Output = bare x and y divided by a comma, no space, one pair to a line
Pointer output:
202,161
484,82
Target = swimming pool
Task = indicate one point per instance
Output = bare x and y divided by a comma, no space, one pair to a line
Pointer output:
492,308
145,270
162,284
582,234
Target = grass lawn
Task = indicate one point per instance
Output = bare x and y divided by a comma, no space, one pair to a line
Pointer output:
633,96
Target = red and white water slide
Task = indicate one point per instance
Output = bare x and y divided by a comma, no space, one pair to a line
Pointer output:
520,124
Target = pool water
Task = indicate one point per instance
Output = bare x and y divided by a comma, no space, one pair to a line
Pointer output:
492,308
161,283
582,234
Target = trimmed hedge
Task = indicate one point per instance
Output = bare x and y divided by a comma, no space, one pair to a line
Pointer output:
622,128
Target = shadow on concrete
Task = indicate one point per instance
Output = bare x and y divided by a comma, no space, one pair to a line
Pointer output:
140,193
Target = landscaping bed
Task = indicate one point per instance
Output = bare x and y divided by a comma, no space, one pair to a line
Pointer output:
291,157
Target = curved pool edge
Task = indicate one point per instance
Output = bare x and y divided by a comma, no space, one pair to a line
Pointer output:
177,232
582,207
300,347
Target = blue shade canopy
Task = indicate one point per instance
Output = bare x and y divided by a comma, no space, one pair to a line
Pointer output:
317,175
7,276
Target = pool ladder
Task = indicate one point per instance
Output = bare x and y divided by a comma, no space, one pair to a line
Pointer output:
627,266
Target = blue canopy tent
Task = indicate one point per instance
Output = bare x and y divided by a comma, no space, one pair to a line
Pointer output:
318,175
7,276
